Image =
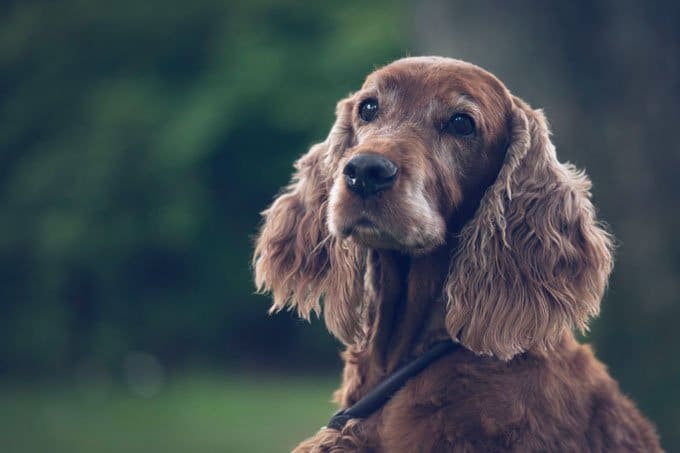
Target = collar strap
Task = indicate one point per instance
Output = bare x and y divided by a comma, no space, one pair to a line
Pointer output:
379,395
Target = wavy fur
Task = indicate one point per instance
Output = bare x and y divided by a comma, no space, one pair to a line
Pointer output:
483,237
533,261
297,260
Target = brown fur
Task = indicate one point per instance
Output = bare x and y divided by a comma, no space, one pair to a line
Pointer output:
488,239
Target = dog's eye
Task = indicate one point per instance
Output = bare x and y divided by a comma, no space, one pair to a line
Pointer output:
460,124
368,110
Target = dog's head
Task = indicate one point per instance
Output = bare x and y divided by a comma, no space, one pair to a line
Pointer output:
425,136
431,148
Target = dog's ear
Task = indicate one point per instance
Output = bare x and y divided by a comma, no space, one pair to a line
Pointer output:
295,257
533,261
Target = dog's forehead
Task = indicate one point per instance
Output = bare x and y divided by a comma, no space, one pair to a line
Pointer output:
425,78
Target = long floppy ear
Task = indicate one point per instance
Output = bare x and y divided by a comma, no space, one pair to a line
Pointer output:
296,259
533,261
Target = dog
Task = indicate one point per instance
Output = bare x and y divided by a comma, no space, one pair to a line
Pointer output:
436,209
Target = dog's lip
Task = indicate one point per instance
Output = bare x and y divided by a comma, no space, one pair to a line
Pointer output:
364,228
364,221
361,222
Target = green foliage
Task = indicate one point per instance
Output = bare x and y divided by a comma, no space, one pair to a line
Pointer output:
138,142
194,413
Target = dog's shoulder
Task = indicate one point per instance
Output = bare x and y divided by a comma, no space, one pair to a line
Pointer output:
561,400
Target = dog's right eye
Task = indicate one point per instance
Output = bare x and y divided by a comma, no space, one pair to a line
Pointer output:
460,124
368,110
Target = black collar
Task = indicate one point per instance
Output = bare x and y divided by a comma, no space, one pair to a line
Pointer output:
379,395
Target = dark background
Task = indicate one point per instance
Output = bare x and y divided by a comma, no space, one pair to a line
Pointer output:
140,140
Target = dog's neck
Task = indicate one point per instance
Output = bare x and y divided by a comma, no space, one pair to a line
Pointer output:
406,310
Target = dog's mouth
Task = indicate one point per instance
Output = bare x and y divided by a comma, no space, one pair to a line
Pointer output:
368,232
404,222
362,224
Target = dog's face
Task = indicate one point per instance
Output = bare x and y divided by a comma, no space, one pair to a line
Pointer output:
427,136
432,147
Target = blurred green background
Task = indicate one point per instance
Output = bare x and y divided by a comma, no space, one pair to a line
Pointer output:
139,141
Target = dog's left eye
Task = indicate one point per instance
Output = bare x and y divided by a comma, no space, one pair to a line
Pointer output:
368,110
460,124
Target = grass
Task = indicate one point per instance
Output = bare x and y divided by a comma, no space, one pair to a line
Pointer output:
198,414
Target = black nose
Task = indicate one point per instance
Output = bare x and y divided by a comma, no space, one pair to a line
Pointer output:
367,174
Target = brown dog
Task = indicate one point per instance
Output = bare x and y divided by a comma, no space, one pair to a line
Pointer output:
436,208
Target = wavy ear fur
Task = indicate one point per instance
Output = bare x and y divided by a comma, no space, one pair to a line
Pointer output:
533,261
295,257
